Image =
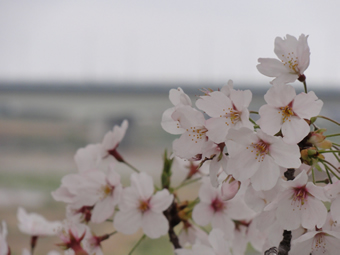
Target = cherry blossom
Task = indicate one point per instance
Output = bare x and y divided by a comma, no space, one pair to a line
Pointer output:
286,111
294,60
259,156
178,98
300,204
190,233
225,112
319,242
112,139
36,225
212,208
193,139
140,208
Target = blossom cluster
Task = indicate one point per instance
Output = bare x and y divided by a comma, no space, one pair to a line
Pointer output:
260,186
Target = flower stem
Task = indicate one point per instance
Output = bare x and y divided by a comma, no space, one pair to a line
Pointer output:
329,176
305,86
328,169
333,135
326,118
313,175
254,112
252,121
132,167
136,245
331,151
185,183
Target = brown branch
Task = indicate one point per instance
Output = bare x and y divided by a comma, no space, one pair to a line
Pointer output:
172,216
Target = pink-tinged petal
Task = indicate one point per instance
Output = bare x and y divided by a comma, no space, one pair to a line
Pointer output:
202,214
245,122
223,222
302,248
335,209
288,214
317,192
143,183
113,138
127,222
299,181
266,176
303,53
177,97
188,117
207,193
243,165
161,201
285,155
284,78
241,99
187,147
218,129
226,89
238,210
271,67
130,199
314,215
244,136
285,46
154,224
215,166
305,237
169,125
271,119
88,158
113,178
215,104
332,243
294,130
218,242
103,210
280,95
63,194
307,106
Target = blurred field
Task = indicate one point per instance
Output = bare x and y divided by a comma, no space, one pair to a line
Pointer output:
40,132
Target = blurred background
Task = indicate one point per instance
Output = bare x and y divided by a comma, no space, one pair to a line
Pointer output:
71,70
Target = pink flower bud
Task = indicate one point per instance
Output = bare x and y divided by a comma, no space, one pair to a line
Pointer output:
229,188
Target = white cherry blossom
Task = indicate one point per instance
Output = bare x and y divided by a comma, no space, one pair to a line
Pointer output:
259,156
178,98
213,209
192,141
140,208
300,204
318,242
226,112
293,60
286,111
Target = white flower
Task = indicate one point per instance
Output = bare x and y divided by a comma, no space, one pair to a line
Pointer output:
140,208
300,204
35,225
294,60
226,112
259,156
317,243
178,98
212,208
286,111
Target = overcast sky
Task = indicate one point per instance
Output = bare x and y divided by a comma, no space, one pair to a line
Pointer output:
162,41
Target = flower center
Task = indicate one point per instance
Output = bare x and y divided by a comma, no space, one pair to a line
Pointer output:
231,114
217,205
107,190
286,112
144,206
291,61
197,133
261,150
319,243
300,196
